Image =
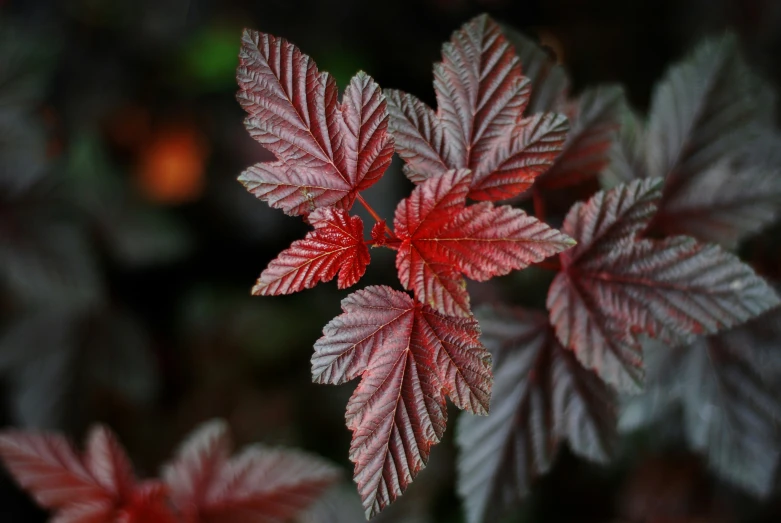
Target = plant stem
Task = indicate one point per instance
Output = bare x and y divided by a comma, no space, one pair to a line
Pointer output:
376,216
553,264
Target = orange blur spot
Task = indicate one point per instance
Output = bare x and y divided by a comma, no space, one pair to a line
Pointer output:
171,167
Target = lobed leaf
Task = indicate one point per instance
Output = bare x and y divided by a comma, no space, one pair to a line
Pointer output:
336,246
326,152
542,396
614,285
409,357
259,484
443,240
481,97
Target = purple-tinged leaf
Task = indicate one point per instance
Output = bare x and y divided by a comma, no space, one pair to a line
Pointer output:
542,397
326,152
409,357
614,285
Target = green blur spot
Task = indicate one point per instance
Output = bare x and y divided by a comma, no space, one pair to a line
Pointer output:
211,57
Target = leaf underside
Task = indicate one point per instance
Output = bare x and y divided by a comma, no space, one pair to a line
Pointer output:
542,396
409,358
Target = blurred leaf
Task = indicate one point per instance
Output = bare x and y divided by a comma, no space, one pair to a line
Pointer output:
541,397
54,358
729,389
22,151
25,64
44,256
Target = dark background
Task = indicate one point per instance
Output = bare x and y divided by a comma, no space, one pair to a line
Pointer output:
121,116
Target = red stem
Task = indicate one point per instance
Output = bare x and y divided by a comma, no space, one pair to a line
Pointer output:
376,216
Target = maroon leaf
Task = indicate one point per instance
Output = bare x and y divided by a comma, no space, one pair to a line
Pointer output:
335,246
327,152
614,285
542,396
478,125
409,357
443,240
259,484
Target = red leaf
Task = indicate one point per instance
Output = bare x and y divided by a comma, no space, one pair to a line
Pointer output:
335,246
97,488
108,463
443,240
541,397
48,468
614,285
378,233
481,96
260,484
409,357
327,152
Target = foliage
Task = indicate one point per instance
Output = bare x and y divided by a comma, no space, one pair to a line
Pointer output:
620,283
201,484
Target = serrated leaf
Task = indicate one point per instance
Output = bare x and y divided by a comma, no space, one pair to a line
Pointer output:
481,97
326,152
443,240
727,387
336,246
614,285
259,484
542,397
409,357
594,121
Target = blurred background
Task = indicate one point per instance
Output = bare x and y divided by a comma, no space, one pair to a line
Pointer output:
128,248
